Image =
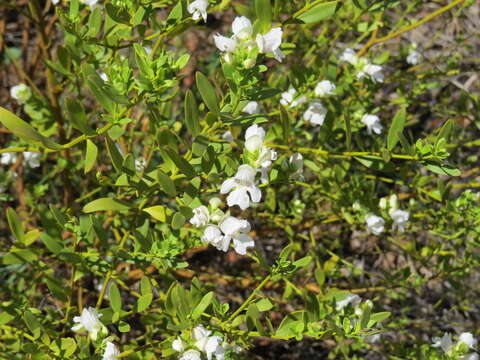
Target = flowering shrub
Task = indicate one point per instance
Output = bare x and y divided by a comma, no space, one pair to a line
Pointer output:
238,179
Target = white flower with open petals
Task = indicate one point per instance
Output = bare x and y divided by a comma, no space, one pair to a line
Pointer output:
242,28
21,93
32,159
270,43
178,345
349,299
445,342
8,158
375,224
191,355
89,320
290,98
254,137
198,9
201,216
242,188
200,335
315,113
237,230
324,88
111,352
214,347
375,72
213,235
349,56
251,108
413,57
225,44
467,339
400,219
373,124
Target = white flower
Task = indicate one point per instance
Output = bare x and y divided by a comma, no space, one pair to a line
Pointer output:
289,98
375,224
198,9
400,219
375,72
214,347
296,163
178,345
190,355
444,342
89,320
350,299
349,56
413,57
32,159
8,158
242,28
373,124
270,43
471,356
200,335
227,135
315,113
324,87
467,339
266,157
224,43
251,108
237,230
90,3
213,235
201,216
111,352
254,137
55,2
21,93
103,76
140,164
243,186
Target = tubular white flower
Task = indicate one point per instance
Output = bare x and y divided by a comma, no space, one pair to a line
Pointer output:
349,56
111,352
55,2
213,235
236,230
400,219
445,342
375,224
467,339
214,347
289,98
8,158
413,57
89,320
243,186
270,43
225,44
324,88
191,355
178,345
251,108
242,28
21,93
375,72
198,9
201,216
350,299
32,159
315,113
90,3
373,124
254,137
200,335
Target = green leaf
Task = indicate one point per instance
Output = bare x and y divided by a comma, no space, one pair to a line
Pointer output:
178,221
115,297
191,114
319,12
207,91
21,129
90,156
94,22
19,257
115,156
179,162
77,116
32,324
445,130
442,169
396,128
144,302
106,204
348,130
202,305
264,305
285,123
145,286
157,212
15,225
263,9
166,184
378,317
55,246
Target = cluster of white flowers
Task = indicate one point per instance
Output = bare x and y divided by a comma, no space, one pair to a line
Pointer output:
376,224
21,92
89,321
363,66
198,9
32,159
247,45
465,342
211,345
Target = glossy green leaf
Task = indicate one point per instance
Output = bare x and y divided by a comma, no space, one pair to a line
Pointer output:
191,114
203,305
23,130
166,184
77,116
207,92
396,128
178,221
157,212
115,155
106,204
319,12
90,155
443,169
15,225
32,324
115,297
